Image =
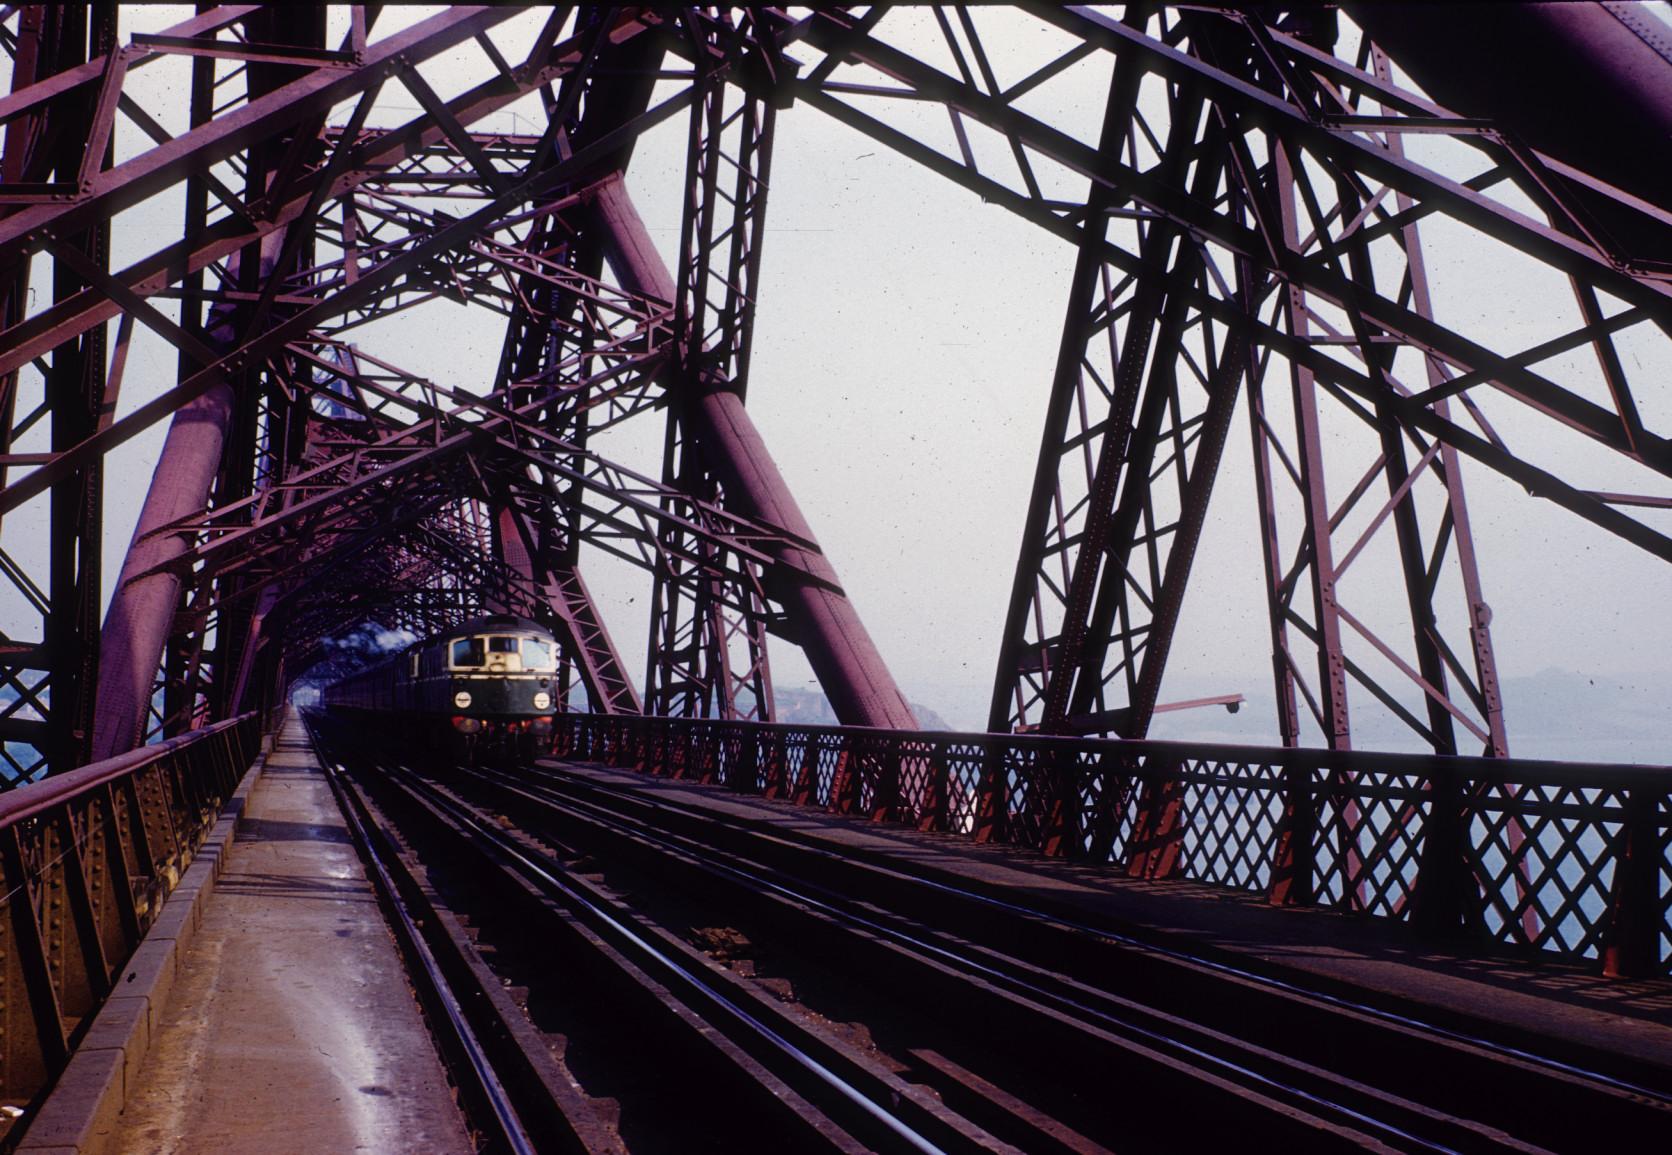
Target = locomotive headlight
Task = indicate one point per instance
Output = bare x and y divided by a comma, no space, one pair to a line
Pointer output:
542,699
461,699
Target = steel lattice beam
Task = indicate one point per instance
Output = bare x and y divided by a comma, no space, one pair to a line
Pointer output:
1245,218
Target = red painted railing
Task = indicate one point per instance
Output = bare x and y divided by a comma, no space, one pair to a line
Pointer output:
87,858
1547,856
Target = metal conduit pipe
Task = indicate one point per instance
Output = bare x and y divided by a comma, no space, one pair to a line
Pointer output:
849,668
141,613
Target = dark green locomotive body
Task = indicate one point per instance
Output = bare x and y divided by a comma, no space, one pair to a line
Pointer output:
487,683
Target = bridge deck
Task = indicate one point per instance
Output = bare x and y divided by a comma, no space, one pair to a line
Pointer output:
290,1025
1512,1000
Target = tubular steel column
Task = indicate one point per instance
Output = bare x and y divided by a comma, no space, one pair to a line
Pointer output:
141,614
840,650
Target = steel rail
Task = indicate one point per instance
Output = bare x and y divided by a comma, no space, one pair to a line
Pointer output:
900,870
902,1118
542,875
1034,980
1300,1084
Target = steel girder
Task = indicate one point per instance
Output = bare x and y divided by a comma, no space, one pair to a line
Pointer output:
1245,213
268,106
1309,142
232,553
360,481
705,661
42,151
1135,469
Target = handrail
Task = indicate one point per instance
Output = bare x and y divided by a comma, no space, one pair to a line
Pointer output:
32,799
1557,857
1524,769
86,858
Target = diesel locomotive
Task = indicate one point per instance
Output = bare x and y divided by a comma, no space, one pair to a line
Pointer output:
488,686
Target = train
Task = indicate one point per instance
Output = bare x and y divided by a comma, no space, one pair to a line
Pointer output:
485,688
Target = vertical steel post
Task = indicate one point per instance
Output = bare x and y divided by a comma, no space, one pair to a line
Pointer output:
1635,913
76,391
1480,614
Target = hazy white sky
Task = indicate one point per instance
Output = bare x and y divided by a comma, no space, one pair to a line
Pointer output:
903,354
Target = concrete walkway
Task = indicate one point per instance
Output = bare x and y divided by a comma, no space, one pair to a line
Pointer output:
290,1026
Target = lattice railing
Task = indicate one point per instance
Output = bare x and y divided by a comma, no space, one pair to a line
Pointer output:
1543,856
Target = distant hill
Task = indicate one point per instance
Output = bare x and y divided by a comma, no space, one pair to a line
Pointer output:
809,707
1609,718
1551,714
812,708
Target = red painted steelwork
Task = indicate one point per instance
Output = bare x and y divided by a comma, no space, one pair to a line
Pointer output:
1612,60
1245,227
87,859
141,613
1215,814
852,672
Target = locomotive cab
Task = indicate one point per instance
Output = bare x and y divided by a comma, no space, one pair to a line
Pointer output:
500,687
489,685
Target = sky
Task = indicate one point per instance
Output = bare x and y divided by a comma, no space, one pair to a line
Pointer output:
904,347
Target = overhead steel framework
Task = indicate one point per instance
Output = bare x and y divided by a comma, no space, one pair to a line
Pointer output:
1246,204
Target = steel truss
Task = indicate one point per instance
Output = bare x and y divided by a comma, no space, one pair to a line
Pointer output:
704,660
1268,217
1243,212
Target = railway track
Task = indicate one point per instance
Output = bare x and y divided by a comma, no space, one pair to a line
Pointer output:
1057,936
985,1025
777,1083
